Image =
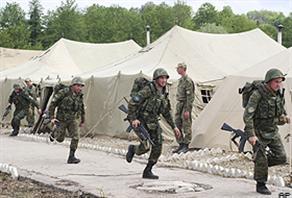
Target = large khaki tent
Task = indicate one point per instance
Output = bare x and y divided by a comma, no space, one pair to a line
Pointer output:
13,57
210,57
225,105
67,58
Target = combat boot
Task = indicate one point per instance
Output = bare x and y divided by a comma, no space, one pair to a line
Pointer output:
178,148
14,133
262,189
147,173
184,149
130,154
72,159
52,136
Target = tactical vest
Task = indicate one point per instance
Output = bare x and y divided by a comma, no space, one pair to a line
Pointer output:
70,105
20,100
154,105
270,106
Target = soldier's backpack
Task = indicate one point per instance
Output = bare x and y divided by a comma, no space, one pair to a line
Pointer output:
138,85
59,87
248,89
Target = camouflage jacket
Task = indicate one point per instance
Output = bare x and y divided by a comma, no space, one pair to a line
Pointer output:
69,105
22,100
263,112
32,91
186,92
147,106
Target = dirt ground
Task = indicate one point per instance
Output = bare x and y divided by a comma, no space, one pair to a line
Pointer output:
27,188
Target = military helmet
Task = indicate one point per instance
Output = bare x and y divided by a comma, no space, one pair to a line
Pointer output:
16,86
77,81
160,72
273,74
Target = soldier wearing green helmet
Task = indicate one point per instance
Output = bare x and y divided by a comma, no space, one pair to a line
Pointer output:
263,112
70,108
145,108
273,74
22,101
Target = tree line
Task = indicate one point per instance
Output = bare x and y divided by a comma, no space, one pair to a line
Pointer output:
100,24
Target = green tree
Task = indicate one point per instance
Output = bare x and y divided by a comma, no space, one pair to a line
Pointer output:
269,30
287,31
212,28
159,17
66,22
14,31
183,15
35,22
112,24
205,14
239,23
266,17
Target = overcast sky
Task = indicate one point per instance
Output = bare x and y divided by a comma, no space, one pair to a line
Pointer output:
238,6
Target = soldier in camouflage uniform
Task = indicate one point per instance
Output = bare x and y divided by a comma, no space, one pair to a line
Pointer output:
70,107
185,99
145,108
22,101
264,111
31,90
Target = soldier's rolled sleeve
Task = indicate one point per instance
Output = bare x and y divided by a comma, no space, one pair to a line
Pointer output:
249,112
134,104
189,96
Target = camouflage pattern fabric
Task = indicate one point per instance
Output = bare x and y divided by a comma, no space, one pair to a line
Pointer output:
185,98
264,111
148,105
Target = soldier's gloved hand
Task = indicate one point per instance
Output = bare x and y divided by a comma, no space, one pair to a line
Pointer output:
252,140
186,115
40,111
135,123
177,132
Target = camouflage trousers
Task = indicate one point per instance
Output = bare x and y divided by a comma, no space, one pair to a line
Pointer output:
73,131
30,118
264,160
18,115
156,137
185,125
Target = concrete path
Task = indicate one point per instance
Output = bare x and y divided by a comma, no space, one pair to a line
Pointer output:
110,175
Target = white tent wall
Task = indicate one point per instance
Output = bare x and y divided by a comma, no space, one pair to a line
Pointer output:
102,96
